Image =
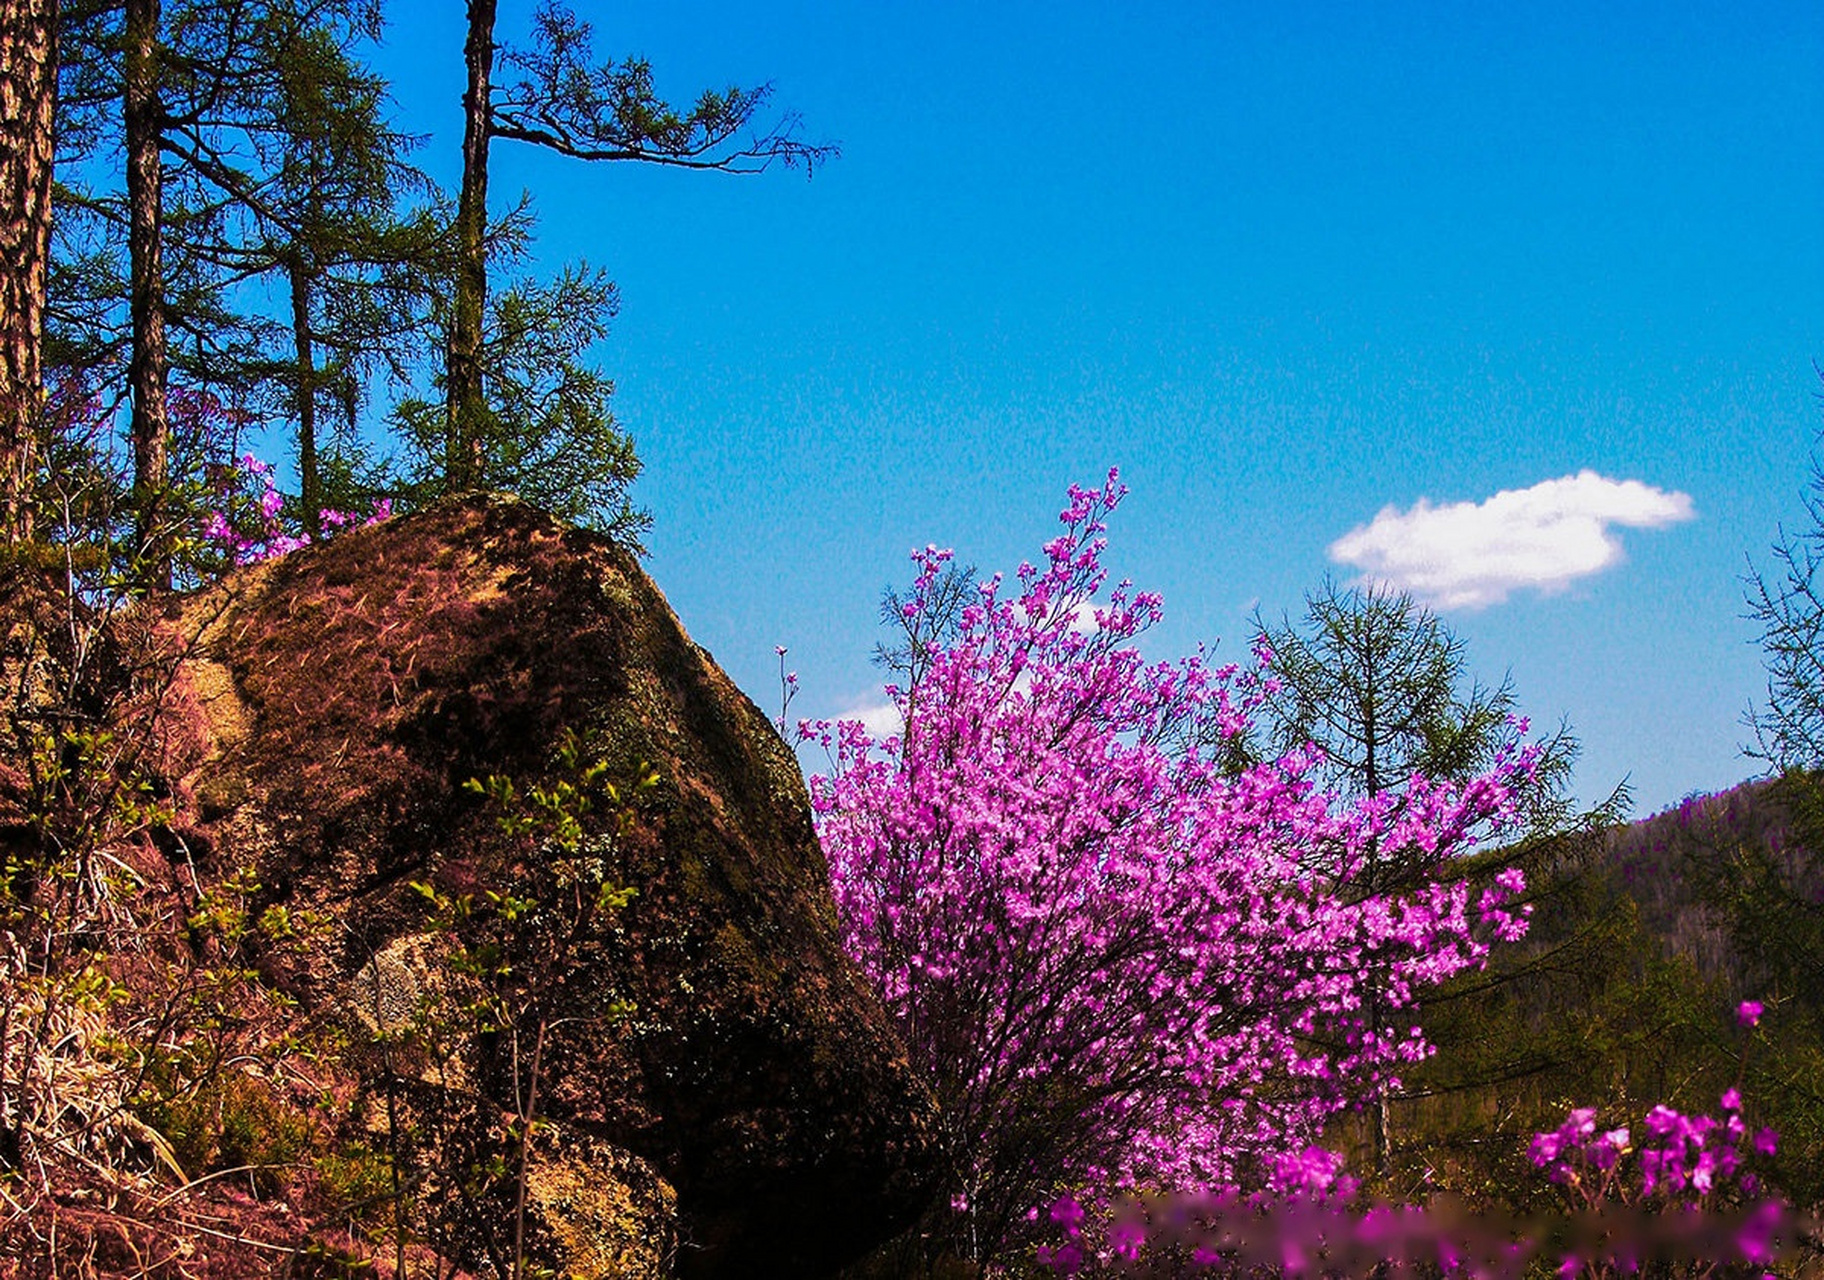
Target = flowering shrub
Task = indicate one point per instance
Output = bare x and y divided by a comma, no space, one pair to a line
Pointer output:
1691,1164
109,540
1117,963
249,527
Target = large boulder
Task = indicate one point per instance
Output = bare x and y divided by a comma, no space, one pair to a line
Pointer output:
753,1114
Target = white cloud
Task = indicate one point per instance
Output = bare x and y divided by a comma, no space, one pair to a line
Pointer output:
1080,616
1465,555
1083,620
880,719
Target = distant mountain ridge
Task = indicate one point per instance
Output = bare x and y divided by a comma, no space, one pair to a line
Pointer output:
1687,867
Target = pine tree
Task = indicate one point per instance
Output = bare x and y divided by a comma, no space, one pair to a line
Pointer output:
28,95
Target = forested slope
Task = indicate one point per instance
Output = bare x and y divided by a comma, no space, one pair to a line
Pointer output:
1644,939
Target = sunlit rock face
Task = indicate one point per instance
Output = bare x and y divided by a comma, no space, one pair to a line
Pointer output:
753,1114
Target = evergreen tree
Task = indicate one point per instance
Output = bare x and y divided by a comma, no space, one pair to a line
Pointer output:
1769,893
1381,685
257,149
359,273
546,431
86,291
1789,606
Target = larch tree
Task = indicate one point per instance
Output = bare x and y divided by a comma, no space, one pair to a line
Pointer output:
358,268
256,150
560,99
1771,897
1788,606
1381,685
86,300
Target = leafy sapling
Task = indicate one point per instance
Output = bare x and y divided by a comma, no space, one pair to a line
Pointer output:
516,943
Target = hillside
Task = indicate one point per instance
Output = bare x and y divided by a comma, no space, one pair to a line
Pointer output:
1644,939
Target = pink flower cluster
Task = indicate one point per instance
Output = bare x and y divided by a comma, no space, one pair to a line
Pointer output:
1685,1158
256,532
1118,961
1291,1235
1576,1142
1689,1203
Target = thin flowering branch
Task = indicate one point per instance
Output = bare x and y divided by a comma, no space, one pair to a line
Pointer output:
1116,962
788,688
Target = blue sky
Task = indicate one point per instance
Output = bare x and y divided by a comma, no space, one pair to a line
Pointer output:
1288,266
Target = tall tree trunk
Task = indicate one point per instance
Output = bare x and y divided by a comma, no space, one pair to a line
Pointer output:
28,99
310,482
149,370
464,408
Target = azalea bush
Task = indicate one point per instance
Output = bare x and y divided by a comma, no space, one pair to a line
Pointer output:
215,511
1684,1158
1120,962
90,530
1679,1170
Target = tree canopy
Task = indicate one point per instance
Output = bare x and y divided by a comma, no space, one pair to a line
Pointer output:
239,223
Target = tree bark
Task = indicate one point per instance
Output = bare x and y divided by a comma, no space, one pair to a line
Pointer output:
464,407
310,482
28,99
149,369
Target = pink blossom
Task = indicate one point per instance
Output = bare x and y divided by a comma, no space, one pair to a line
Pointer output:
252,529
